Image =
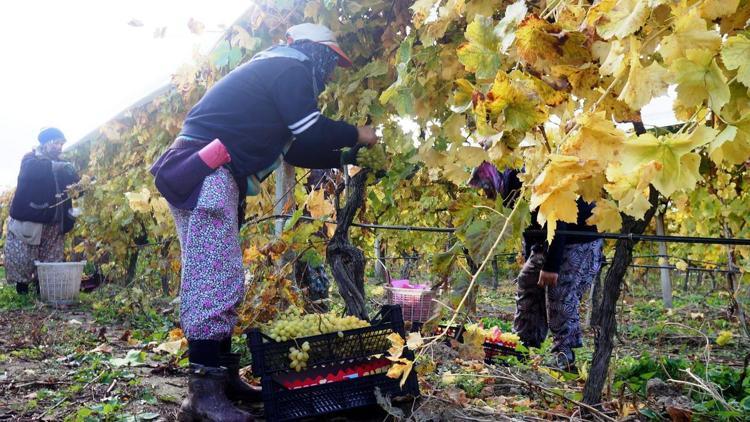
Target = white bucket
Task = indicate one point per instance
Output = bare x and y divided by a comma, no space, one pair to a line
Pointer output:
59,282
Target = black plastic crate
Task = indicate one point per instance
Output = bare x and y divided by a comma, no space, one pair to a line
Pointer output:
270,358
491,350
494,350
281,404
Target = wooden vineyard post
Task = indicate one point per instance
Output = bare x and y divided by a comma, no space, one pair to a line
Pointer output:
284,198
606,323
346,261
380,270
284,203
666,281
733,286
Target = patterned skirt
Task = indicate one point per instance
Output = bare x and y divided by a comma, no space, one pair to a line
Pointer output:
20,256
212,275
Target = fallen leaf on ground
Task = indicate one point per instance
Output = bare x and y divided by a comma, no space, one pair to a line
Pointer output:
102,348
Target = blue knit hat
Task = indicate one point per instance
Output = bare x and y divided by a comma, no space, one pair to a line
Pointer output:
50,134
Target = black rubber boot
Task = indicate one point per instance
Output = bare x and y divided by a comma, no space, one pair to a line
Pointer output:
236,388
564,360
207,400
22,288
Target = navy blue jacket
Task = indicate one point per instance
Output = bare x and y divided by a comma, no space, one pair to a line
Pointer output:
36,198
255,111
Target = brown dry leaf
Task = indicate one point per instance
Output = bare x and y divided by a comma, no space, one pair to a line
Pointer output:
318,205
678,414
176,334
102,348
457,396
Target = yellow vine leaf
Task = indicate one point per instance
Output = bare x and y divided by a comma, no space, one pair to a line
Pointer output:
452,128
624,19
736,56
712,9
611,56
511,105
470,156
591,188
690,33
397,345
456,173
138,201
606,217
732,145
400,368
571,16
317,204
172,347
162,214
542,44
679,166
480,8
554,191
479,54
550,96
597,140
438,23
644,83
421,11
700,78
473,342
462,96
430,157
630,188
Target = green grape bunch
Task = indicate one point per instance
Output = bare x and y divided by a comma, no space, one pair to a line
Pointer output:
299,357
374,158
295,326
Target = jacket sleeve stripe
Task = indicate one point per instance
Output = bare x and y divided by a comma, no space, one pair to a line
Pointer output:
304,120
306,126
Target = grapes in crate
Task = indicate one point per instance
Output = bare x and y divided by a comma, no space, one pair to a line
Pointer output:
494,335
294,326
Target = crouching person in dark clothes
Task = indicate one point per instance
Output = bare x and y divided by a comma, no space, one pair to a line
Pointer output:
553,280
40,213
260,114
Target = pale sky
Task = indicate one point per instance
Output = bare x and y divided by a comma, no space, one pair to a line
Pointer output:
75,64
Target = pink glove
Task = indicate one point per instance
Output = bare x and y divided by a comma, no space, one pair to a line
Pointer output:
214,154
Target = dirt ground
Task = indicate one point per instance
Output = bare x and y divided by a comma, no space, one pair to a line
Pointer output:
49,371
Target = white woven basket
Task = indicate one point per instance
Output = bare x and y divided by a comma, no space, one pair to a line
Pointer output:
59,282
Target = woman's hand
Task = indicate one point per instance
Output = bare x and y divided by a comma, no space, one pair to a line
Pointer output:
547,279
367,136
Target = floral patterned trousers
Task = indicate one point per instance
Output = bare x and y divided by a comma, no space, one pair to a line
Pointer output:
557,307
212,275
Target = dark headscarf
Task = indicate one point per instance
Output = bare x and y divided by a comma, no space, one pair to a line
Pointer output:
323,61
